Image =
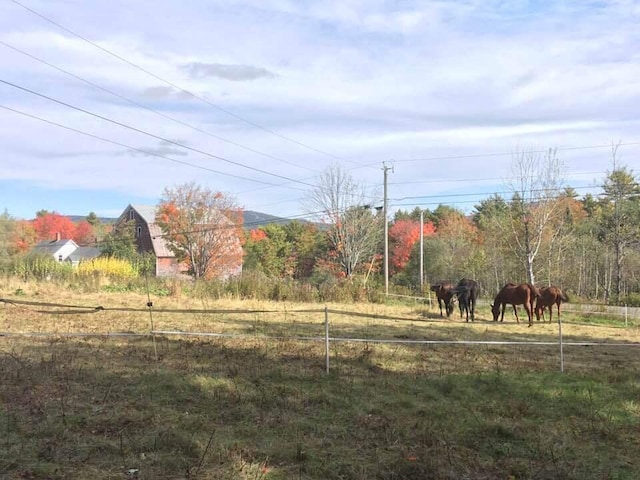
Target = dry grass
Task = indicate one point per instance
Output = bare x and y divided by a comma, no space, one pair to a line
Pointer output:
251,408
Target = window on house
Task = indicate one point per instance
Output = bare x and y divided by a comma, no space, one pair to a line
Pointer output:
59,258
138,231
131,214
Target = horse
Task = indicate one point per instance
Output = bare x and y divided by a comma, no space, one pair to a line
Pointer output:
548,297
467,293
522,294
444,294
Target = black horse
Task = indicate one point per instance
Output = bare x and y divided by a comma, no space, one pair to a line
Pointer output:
467,293
444,294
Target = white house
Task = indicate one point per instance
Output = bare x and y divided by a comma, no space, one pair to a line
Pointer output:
66,250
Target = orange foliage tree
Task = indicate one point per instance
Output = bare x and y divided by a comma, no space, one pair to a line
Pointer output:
202,228
23,237
403,235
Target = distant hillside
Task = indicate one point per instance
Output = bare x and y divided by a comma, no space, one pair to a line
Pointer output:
252,219
78,218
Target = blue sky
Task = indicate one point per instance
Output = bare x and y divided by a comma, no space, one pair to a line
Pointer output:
444,91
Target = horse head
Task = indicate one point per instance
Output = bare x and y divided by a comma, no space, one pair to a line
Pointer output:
495,310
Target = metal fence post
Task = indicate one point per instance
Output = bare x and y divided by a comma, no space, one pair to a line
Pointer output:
626,315
326,338
560,341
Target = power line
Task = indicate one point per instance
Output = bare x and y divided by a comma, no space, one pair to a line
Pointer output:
157,137
149,109
486,179
501,154
177,87
558,189
468,202
141,150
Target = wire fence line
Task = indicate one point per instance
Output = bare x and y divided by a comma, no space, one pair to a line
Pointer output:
327,338
316,338
589,309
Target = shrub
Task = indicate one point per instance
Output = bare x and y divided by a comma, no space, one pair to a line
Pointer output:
632,299
113,268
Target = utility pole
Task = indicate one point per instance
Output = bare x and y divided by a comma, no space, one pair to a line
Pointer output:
421,252
385,169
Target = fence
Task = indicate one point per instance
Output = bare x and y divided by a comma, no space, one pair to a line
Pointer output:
327,339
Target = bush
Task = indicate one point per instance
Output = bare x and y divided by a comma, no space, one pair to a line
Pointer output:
632,299
113,268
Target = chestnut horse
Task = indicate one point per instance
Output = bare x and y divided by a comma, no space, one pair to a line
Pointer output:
548,297
444,294
523,294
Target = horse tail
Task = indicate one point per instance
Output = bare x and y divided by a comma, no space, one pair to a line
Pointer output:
563,296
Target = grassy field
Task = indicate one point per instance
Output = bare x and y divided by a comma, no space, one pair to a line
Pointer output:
262,408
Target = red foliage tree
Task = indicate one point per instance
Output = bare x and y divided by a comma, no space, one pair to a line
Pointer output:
48,225
404,234
84,234
257,234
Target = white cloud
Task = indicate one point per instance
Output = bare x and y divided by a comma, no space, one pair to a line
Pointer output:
367,81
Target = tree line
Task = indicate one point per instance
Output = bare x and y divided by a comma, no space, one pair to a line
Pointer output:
542,232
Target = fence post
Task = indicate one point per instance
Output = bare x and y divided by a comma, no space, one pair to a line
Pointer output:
326,338
626,315
560,341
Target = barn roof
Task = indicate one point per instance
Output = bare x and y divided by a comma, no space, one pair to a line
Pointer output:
148,214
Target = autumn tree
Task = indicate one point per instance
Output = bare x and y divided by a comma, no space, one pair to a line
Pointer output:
202,228
308,244
23,237
48,225
84,234
354,231
536,182
454,251
403,236
268,250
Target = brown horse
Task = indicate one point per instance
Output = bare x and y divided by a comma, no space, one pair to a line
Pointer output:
523,294
548,297
444,294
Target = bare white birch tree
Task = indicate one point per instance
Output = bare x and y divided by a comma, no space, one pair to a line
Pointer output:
346,207
536,183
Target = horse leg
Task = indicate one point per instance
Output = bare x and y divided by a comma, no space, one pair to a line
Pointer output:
515,310
504,305
527,307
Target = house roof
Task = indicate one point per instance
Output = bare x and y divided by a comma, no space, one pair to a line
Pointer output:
53,246
84,253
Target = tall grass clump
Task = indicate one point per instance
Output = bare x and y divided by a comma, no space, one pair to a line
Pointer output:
41,267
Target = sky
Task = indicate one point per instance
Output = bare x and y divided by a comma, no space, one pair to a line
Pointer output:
107,103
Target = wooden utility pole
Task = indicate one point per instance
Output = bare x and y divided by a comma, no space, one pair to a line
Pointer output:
421,252
385,169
